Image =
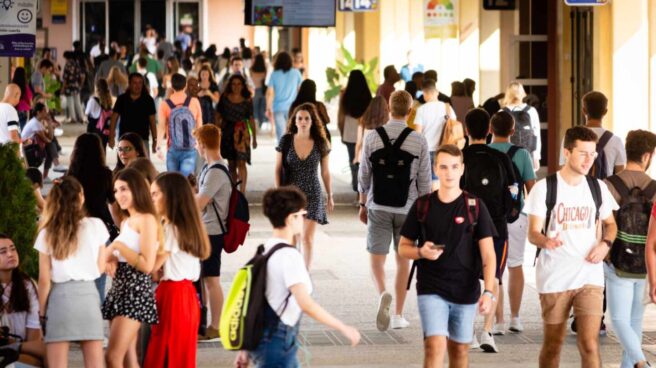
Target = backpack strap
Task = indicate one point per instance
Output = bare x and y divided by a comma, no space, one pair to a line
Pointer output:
423,205
620,186
595,189
232,185
473,209
603,140
650,190
512,151
526,108
404,134
170,103
550,201
384,137
187,101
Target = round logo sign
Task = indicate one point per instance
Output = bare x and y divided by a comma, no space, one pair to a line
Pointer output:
24,16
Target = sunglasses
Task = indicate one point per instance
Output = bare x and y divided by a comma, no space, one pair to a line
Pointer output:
125,149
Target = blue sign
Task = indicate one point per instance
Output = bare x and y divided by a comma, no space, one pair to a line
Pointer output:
18,28
358,5
586,2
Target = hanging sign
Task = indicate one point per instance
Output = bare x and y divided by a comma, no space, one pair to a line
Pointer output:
440,18
18,28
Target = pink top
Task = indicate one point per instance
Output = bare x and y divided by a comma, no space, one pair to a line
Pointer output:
25,101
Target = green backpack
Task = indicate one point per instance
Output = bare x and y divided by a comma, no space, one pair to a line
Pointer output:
242,318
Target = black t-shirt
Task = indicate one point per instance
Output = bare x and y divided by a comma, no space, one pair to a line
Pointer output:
98,192
469,154
448,224
135,114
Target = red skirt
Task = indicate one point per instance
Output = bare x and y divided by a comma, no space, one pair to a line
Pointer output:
173,340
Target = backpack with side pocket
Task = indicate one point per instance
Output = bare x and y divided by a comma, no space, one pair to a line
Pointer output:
628,251
550,201
486,177
181,125
391,169
423,205
517,202
242,317
524,135
599,169
104,120
237,224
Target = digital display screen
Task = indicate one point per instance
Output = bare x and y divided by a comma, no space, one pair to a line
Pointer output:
290,13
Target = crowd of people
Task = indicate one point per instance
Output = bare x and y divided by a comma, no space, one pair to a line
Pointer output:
451,186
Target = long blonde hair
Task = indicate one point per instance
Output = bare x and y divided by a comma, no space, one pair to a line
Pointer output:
515,94
61,217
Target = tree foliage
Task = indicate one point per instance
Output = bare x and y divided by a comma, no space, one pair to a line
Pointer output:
337,77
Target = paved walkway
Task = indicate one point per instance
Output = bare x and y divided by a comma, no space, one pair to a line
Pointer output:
344,287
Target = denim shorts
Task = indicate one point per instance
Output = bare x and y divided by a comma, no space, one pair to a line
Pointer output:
440,317
278,346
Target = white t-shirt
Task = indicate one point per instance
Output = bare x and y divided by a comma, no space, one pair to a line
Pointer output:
180,265
285,269
19,322
152,82
83,264
535,124
8,121
614,151
93,109
573,216
431,116
30,129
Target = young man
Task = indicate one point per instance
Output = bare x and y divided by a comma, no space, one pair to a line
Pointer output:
595,107
625,285
448,267
175,129
430,119
569,273
489,175
387,87
503,127
142,68
236,67
9,131
136,109
409,70
214,191
384,221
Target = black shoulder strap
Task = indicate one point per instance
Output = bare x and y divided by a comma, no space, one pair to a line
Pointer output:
187,101
595,189
170,103
423,205
526,108
384,137
620,186
287,140
513,149
650,190
232,185
603,140
552,194
404,134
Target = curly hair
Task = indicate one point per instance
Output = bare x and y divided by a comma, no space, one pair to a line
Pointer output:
317,131
245,93
61,217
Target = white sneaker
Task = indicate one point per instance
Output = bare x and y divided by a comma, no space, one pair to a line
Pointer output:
399,322
383,315
60,168
487,343
474,344
499,329
516,325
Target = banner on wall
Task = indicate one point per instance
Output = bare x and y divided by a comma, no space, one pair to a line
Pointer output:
18,28
440,18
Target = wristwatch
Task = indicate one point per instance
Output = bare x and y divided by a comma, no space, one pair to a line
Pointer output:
491,294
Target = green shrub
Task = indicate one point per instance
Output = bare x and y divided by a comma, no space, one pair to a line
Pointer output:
18,216
337,77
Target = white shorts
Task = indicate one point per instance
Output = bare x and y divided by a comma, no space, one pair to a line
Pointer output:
517,239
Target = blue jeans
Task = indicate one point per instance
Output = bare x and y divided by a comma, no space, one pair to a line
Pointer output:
440,317
259,106
100,285
278,346
280,119
182,161
624,298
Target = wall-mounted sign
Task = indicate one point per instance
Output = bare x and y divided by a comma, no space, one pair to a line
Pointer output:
357,5
499,4
58,10
586,2
440,18
18,28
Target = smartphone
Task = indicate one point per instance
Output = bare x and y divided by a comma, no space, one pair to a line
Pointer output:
438,246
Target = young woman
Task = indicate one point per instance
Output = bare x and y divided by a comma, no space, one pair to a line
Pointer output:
117,81
352,103
131,258
89,157
208,94
39,131
172,67
258,75
301,151
100,107
173,341
145,167
288,287
237,123
514,101
130,147
19,309
307,92
376,115
281,91
25,102
460,101
71,256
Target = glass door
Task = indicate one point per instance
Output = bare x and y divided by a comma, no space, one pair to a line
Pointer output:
186,15
153,13
121,22
93,26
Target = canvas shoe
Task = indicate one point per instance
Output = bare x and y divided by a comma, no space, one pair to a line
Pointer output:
474,344
516,325
399,322
383,314
487,343
499,329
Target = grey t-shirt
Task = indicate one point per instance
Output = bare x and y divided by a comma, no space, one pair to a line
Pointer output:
37,81
215,184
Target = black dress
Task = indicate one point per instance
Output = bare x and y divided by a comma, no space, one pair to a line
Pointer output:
305,175
235,136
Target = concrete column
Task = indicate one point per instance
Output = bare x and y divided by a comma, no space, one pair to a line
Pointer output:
489,83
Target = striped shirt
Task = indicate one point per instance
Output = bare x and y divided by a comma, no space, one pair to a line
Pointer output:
420,171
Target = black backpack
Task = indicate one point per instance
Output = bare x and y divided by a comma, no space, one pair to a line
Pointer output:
628,251
486,177
516,210
552,195
599,169
523,136
390,167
